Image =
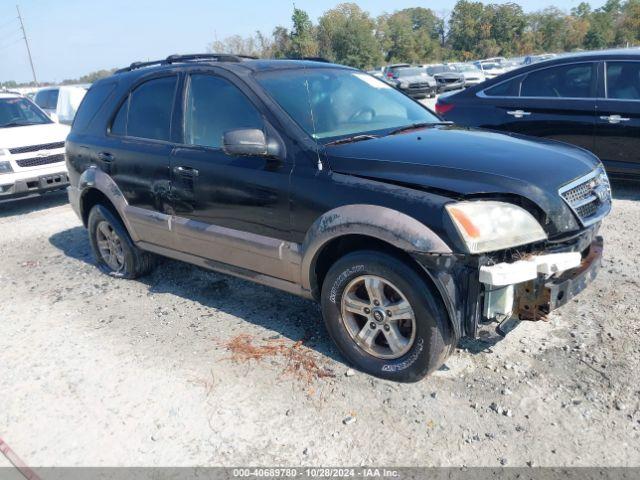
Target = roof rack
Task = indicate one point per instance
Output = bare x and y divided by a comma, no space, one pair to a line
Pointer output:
218,57
312,59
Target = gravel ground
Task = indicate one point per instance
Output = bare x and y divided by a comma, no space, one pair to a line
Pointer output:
96,371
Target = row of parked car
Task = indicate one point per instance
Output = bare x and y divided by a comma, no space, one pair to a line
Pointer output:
420,81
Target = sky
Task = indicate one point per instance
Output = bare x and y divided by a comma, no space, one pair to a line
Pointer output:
70,38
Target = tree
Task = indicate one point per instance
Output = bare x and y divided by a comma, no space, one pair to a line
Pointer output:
302,39
507,24
466,26
410,35
347,34
630,23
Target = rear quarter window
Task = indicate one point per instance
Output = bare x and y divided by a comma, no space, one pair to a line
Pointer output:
508,88
91,103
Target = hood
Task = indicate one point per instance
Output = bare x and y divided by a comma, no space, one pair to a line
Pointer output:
415,79
470,74
12,137
449,75
463,162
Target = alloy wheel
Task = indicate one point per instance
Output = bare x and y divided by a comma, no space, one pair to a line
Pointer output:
378,317
110,246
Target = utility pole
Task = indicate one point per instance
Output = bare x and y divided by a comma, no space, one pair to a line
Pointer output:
24,35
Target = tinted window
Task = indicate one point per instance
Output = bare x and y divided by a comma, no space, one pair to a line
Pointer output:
215,106
566,81
409,72
119,125
331,102
149,113
47,99
53,99
93,100
623,80
510,88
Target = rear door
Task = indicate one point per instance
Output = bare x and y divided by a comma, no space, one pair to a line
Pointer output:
618,118
232,209
555,102
136,155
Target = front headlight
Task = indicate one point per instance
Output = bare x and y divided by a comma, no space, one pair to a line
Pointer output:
404,85
487,225
5,167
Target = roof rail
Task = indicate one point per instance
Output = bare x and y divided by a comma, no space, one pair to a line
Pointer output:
219,57
313,59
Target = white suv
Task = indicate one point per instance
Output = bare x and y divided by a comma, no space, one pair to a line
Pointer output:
31,149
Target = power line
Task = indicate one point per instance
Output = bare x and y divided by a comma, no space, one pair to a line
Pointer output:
10,44
2,25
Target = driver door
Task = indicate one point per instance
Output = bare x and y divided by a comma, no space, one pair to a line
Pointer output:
231,209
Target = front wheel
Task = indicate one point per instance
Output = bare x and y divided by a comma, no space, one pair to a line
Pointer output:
384,317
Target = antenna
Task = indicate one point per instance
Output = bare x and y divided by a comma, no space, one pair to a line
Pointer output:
24,35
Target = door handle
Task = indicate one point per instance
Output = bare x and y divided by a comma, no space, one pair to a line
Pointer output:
186,171
518,113
614,119
105,157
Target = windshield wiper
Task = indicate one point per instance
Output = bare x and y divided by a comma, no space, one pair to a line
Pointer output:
355,138
415,126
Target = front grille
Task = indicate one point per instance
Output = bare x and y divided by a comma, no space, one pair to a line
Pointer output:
419,85
36,161
589,197
36,148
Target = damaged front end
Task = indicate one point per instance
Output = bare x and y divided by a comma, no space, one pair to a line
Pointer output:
487,295
529,289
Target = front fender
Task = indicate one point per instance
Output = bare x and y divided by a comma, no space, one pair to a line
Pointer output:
382,223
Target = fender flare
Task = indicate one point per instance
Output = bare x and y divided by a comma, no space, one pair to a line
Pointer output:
95,179
382,223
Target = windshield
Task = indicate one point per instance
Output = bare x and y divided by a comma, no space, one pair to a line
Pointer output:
491,66
18,111
329,103
409,72
439,69
467,68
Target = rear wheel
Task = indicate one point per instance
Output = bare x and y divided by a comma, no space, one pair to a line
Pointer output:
113,248
384,317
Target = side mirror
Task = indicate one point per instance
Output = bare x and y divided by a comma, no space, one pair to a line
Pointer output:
246,141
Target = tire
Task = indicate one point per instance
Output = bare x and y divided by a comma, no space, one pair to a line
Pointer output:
130,261
416,354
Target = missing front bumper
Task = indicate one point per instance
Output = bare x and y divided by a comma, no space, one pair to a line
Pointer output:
536,298
529,289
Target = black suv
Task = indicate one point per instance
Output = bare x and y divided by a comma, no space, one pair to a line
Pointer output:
326,182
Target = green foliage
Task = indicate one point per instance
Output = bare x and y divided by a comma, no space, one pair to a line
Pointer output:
475,29
303,42
346,35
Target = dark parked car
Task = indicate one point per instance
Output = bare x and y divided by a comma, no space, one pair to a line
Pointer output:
590,99
328,183
414,81
447,77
